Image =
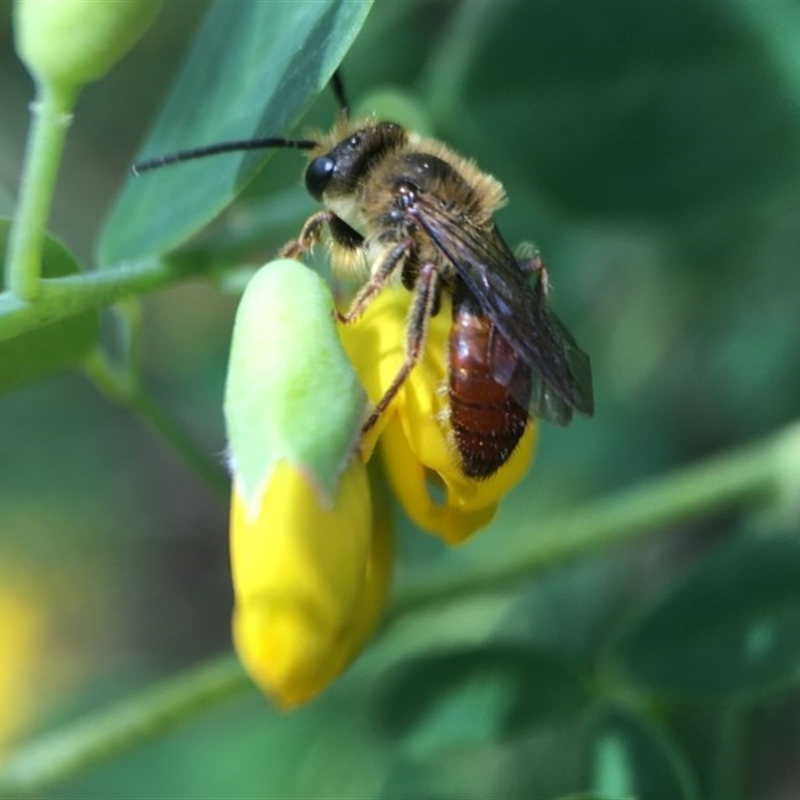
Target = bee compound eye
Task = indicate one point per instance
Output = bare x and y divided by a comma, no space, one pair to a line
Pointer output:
318,175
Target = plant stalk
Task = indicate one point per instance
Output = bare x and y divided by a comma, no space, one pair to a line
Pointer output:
51,120
130,394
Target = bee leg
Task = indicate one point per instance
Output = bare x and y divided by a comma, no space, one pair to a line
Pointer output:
390,262
535,264
309,235
341,232
425,294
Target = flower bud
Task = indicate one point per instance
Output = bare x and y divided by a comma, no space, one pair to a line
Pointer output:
67,43
291,393
310,569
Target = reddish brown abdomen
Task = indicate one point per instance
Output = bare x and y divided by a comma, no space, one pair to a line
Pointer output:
487,421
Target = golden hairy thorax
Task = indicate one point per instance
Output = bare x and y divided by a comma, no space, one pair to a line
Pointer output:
366,202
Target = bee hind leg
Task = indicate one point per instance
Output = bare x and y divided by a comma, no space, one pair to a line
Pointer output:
534,264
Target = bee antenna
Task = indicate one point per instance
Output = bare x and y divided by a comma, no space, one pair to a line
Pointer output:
224,147
338,92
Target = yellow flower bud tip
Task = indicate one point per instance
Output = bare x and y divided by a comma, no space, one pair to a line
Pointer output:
291,392
68,43
309,581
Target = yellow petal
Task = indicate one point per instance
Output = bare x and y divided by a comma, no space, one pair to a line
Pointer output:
409,479
376,585
375,344
305,578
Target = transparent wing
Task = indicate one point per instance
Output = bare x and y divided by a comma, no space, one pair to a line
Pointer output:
562,378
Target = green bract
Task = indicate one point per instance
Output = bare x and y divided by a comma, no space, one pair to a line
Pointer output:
67,43
291,392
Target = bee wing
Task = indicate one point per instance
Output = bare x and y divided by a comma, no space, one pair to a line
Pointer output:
546,403
562,378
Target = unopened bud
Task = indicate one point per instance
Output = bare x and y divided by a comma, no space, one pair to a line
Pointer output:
68,43
291,391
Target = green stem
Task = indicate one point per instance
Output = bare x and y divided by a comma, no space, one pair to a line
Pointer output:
51,120
57,756
130,394
754,474
758,473
60,298
130,315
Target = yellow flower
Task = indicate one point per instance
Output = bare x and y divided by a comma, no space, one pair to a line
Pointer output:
310,580
310,564
311,561
414,436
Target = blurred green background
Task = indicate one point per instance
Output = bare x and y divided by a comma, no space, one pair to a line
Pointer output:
651,151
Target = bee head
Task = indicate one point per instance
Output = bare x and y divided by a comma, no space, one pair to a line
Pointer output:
350,161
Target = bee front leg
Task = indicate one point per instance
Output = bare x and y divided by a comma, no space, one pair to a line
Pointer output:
341,233
425,295
309,235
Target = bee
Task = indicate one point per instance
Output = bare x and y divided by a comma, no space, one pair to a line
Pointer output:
410,208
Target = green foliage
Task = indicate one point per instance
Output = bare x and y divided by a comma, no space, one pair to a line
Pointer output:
50,347
626,755
690,115
277,57
473,696
729,630
651,151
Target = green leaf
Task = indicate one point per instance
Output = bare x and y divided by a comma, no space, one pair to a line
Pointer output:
53,347
473,696
731,629
6,200
625,755
253,69
652,128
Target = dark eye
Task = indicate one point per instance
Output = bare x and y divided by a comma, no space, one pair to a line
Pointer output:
318,174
